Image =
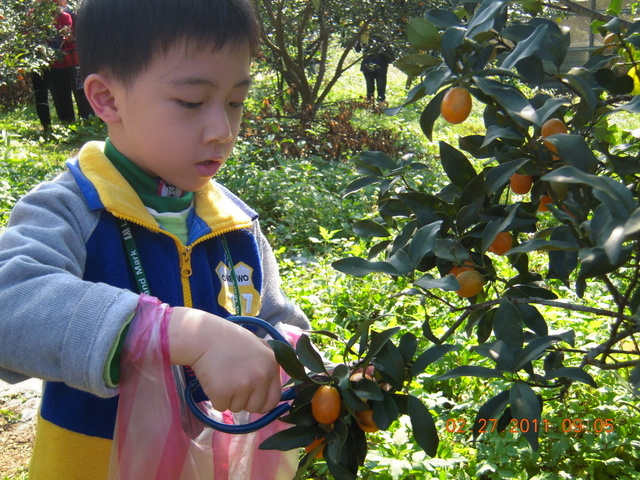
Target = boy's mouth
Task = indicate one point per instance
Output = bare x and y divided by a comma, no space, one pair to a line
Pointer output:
208,168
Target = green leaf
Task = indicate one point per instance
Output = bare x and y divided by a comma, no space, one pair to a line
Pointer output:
632,226
634,379
353,399
368,389
510,98
533,319
486,16
442,18
614,84
287,359
309,356
507,325
572,373
378,341
532,70
423,426
470,371
414,65
423,241
497,132
497,177
577,81
452,38
449,249
430,114
595,262
534,349
370,229
526,406
359,267
473,193
542,245
500,353
448,283
563,262
390,364
633,106
401,262
430,356
385,412
423,35
545,42
407,346
574,151
456,166
294,437
490,412
336,440
377,160
361,334
359,184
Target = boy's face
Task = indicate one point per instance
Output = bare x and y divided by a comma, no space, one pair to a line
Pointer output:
179,119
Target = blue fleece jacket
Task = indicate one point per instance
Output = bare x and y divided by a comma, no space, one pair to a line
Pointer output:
66,291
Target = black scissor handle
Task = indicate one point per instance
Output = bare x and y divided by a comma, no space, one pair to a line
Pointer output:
263,421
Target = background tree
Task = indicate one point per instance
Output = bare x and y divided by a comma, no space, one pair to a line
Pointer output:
562,146
545,200
24,29
298,34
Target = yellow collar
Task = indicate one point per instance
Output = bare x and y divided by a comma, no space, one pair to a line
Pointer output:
119,198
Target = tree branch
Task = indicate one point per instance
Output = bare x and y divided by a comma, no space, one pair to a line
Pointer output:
585,12
550,303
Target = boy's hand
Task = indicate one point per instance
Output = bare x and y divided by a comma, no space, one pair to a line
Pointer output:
236,369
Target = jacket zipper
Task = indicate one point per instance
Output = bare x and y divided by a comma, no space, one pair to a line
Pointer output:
184,251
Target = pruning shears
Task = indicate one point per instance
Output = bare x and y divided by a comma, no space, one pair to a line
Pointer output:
193,391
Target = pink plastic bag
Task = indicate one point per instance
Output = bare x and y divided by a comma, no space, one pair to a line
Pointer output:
158,438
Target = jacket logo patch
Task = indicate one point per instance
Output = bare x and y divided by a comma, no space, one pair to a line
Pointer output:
249,296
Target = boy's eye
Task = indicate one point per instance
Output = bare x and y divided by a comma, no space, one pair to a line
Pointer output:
189,105
236,104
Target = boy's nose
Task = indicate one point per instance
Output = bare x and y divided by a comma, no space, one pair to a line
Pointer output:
218,128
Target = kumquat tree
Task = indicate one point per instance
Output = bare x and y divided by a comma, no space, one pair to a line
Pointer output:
536,217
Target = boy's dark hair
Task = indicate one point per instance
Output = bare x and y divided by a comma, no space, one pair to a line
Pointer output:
122,36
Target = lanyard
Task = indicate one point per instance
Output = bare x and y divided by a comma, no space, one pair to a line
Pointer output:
141,277
134,257
236,289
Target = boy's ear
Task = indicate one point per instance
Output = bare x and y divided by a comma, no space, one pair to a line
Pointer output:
98,91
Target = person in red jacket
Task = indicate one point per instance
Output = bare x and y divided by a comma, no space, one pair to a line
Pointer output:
59,78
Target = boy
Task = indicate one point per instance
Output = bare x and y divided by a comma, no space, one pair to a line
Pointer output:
169,78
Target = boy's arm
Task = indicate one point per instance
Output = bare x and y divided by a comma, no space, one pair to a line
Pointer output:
54,325
276,307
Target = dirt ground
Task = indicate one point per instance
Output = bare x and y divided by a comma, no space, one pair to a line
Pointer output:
18,408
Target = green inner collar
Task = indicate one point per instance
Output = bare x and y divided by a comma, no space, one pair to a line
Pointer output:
153,191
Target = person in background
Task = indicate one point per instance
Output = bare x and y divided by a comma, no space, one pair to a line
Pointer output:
82,104
377,56
60,78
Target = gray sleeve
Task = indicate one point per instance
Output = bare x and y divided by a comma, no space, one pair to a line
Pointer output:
54,325
276,307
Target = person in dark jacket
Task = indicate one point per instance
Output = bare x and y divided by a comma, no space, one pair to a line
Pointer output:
375,64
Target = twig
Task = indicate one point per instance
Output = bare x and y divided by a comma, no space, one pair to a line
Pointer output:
615,366
550,303
454,327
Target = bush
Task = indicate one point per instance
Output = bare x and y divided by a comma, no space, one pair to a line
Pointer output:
519,360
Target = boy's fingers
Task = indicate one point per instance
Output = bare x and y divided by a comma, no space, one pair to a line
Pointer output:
221,402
